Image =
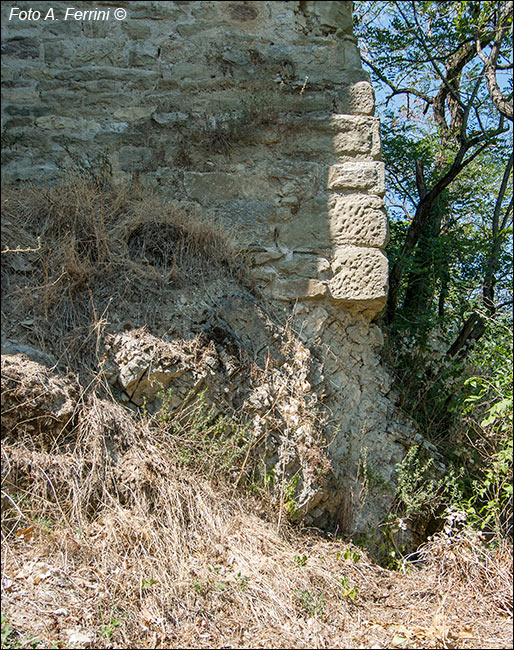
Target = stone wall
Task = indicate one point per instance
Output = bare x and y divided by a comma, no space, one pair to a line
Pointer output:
259,115
257,112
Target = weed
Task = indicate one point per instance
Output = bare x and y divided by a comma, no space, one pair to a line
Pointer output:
242,581
109,629
97,169
202,436
348,592
12,639
221,131
7,632
289,491
415,489
148,584
312,604
355,556
300,560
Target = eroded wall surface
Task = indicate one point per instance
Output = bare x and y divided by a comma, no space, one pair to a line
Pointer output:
257,112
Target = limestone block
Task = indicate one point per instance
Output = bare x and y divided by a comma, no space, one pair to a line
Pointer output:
358,98
143,55
302,265
363,176
21,48
170,119
266,256
21,96
190,30
79,129
133,113
136,29
349,137
238,183
94,72
209,186
360,277
329,16
191,70
108,51
308,228
356,135
60,29
98,29
58,52
358,219
153,11
291,290
249,18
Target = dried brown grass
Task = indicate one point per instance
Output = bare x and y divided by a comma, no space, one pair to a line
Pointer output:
115,499
107,528
462,563
87,247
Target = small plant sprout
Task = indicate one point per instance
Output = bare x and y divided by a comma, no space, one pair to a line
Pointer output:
147,584
348,592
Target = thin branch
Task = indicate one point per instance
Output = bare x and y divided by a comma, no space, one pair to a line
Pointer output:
499,100
432,61
397,91
506,216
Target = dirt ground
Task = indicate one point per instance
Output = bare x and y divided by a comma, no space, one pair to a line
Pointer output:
56,592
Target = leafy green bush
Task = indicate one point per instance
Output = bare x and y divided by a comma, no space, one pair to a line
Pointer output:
486,406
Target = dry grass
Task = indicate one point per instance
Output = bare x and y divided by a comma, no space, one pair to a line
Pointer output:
90,247
107,534
161,543
462,563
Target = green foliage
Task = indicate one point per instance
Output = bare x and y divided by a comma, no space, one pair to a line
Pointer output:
486,406
419,491
242,581
312,604
355,556
448,153
7,633
10,638
424,61
202,437
148,584
348,591
111,627
290,495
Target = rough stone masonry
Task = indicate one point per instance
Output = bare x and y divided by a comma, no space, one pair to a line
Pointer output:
258,111
260,115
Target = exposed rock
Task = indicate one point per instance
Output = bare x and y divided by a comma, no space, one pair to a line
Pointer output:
35,399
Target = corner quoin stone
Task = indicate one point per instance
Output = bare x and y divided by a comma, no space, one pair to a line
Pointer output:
363,176
360,276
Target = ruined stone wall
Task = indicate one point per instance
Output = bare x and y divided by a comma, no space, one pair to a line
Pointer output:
259,115
257,112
